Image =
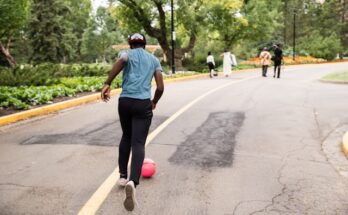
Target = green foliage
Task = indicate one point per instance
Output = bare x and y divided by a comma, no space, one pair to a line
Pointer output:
73,70
90,84
68,30
322,47
125,20
245,66
152,17
99,37
79,16
23,97
328,19
14,15
199,64
224,18
48,74
51,32
35,76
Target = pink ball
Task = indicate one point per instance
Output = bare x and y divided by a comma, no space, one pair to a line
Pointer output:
149,168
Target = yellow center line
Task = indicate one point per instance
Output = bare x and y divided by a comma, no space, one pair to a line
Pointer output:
99,196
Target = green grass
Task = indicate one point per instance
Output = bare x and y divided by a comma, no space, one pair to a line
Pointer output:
337,76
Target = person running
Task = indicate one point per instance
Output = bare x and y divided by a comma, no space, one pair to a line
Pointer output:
277,58
211,65
265,57
135,109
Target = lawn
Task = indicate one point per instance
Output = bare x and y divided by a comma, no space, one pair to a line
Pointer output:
341,76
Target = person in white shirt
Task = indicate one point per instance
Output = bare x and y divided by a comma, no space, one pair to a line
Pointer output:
228,62
265,60
211,64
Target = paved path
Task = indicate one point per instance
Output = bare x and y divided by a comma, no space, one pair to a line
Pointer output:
260,146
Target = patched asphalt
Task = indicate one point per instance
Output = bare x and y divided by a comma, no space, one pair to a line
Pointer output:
104,134
212,144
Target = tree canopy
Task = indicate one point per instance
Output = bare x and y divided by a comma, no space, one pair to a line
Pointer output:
14,16
38,31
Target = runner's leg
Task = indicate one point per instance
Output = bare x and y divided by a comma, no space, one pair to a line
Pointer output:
124,107
141,121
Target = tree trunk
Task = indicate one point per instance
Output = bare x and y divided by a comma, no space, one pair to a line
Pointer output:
5,51
285,15
178,56
344,31
160,33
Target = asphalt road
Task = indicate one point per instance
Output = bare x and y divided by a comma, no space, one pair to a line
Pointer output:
256,146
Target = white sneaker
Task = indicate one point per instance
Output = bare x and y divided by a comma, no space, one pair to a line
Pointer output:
122,182
130,202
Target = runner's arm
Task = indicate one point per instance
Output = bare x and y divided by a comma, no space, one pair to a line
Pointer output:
159,88
116,69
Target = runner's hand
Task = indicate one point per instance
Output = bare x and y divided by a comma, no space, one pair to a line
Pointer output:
105,93
153,105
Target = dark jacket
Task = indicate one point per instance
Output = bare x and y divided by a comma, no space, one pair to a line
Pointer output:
278,55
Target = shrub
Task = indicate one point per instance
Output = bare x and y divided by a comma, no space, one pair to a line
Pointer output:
25,96
287,60
74,70
48,74
320,46
28,76
22,97
197,65
90,84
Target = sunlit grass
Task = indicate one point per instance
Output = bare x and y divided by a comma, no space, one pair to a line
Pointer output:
337,76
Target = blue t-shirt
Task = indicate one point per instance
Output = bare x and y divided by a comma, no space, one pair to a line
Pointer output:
138,73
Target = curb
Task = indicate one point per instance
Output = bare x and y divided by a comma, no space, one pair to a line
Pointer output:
187,78
345,144
334,82
12,118
5,120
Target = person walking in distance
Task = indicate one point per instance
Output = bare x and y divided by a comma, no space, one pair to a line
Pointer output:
135,109
211,64
229,60
265,58
277,58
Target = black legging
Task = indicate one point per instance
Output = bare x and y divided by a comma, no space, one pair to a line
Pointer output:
264,70
277,65
135,117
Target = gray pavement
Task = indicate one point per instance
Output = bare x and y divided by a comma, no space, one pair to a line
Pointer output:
263,146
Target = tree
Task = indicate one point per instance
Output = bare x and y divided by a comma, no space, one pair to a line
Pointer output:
245,26
151,16
225,18
343,9
51,32
322,47
100,35
79,17
14,14
326,21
